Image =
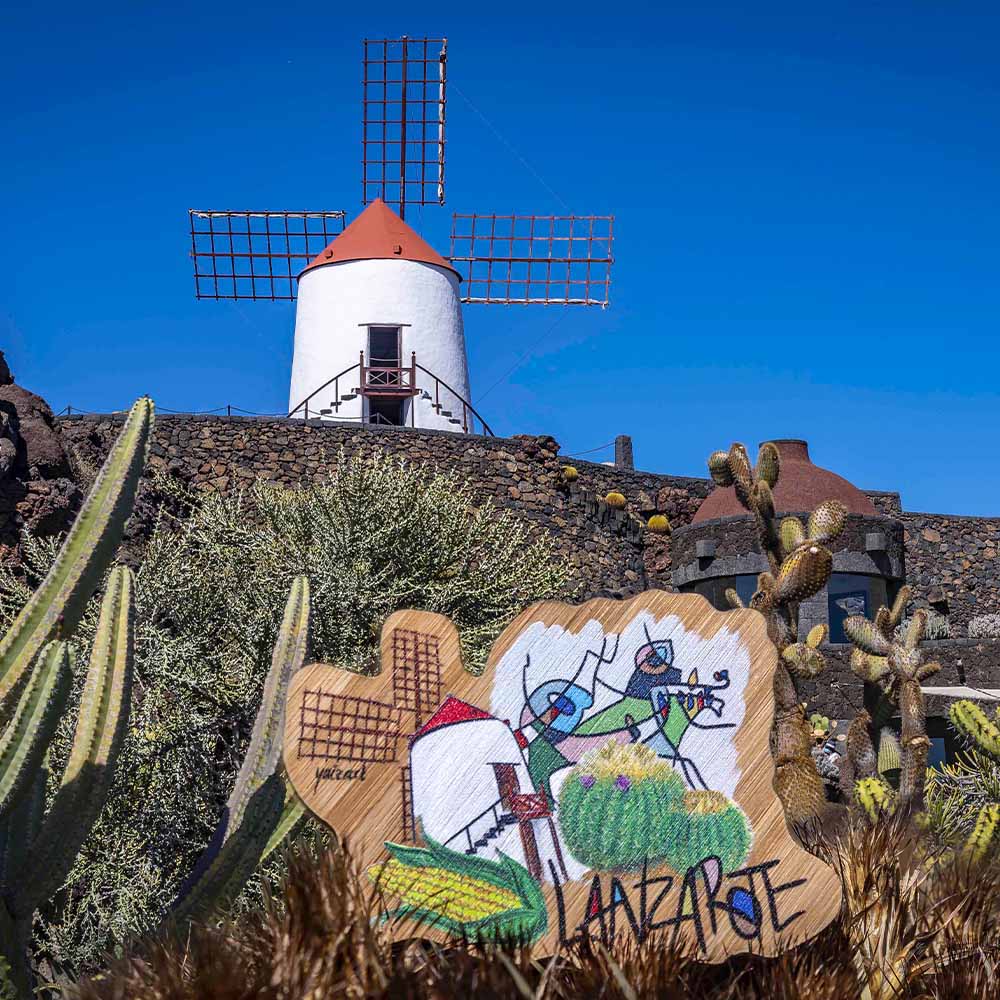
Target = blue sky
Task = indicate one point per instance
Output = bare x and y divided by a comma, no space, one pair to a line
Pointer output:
806,201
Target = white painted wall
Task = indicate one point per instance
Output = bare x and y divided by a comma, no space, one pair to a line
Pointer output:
452,776
335,304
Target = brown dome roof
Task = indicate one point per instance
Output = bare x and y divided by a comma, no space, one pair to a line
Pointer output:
801,487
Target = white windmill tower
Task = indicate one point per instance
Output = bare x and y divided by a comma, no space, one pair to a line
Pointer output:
379,336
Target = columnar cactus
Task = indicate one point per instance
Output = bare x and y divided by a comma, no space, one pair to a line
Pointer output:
800,566
263,809
983,734
36,663
897,667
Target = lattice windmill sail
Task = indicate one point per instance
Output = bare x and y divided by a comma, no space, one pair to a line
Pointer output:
379,336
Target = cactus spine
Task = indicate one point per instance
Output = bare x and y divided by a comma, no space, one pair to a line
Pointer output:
263,808
800,566
35,667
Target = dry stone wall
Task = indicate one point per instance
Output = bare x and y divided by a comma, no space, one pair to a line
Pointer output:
950,561
606,550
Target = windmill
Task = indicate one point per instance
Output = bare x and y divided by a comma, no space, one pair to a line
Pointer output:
379,336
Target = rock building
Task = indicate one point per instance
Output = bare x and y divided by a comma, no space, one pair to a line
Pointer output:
719,548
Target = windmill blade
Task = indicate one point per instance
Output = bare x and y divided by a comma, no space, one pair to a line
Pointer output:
256,255
533,259
403,129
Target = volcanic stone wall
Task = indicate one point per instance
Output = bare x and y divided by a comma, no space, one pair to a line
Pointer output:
608,551
950,561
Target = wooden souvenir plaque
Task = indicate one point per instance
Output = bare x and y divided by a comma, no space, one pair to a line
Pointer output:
608,774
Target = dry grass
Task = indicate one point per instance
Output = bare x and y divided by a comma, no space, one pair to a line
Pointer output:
909,930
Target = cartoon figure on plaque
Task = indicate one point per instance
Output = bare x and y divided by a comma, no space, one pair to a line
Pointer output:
589,781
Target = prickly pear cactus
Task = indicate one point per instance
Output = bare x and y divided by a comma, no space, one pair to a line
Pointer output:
800,566
897,667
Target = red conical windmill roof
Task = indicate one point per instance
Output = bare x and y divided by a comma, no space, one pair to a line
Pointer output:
452,710
379,234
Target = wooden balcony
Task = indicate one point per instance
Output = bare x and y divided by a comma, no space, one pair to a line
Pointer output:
379,378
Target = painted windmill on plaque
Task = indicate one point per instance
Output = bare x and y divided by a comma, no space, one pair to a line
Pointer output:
608,774
379,335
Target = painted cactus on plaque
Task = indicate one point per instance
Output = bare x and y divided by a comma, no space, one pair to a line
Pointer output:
608,773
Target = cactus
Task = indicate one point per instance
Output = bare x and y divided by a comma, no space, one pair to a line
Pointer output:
569,474
36,662
874,796
100,729
262,808
28,735
658,524
85,554
615,806
800,566
710,825
616,501
973,723
897,667
981,839
982,734
890,761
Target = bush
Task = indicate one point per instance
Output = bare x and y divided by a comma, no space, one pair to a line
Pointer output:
984,627
373,538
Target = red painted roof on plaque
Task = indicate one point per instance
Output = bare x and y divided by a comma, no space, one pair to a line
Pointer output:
378,233
452,710
801,487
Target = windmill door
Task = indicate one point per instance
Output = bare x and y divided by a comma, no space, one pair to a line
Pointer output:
385,375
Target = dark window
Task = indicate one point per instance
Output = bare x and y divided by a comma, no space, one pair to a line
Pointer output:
852,594
383,346
385,411
714,591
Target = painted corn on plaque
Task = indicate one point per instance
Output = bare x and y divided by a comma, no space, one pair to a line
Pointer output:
608,774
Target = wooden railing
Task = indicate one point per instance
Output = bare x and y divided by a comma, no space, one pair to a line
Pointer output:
392,381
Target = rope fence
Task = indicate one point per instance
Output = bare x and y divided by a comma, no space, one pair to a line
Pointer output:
228,410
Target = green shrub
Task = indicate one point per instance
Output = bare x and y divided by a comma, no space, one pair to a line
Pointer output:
374,537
